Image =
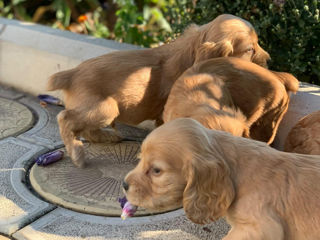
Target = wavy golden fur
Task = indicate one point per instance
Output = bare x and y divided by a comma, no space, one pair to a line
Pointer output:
264,194
232,95
304,137
133,86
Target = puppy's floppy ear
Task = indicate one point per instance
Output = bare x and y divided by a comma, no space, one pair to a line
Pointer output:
270,122
213,50
209,191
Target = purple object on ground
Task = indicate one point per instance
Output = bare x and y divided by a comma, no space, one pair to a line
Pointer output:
50,99
122,201
48,158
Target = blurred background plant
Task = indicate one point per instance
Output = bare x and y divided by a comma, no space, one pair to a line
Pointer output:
288,29
140,22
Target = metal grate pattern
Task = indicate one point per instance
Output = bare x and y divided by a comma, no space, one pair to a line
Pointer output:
94,189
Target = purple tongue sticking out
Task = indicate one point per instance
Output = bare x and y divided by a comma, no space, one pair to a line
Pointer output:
128,209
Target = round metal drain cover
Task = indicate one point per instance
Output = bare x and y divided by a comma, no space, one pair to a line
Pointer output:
14,118
94,189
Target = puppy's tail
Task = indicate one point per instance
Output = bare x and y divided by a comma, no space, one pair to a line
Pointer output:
288,80
61,80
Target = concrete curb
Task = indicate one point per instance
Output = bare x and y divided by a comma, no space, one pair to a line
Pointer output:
30,53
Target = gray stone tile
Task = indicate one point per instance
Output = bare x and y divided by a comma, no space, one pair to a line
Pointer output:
62,224
18,206
15,118
131,133
10,93
46,130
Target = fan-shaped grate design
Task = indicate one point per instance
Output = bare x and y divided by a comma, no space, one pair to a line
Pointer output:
94,189
14,118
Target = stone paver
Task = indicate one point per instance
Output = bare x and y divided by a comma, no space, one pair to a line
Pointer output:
14,118
62,224
46,130
18,206
131,132
10,93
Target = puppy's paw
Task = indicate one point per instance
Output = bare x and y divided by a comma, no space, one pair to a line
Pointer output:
77,156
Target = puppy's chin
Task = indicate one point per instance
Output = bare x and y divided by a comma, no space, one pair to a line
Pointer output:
166,208
155,204
162,208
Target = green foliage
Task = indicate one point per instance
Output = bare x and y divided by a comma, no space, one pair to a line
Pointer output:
145,26
99,30
288,30
8,11
140,22
63,13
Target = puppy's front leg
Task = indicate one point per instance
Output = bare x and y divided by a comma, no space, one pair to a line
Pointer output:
86,118
77,154
69,137
264,228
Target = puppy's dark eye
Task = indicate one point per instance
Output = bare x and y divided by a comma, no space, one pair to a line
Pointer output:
156,171
250,49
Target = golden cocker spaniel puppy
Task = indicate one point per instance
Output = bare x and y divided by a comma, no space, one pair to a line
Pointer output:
264,194
304,137
232,95
133,86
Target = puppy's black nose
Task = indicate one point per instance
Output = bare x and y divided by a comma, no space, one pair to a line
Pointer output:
125,185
